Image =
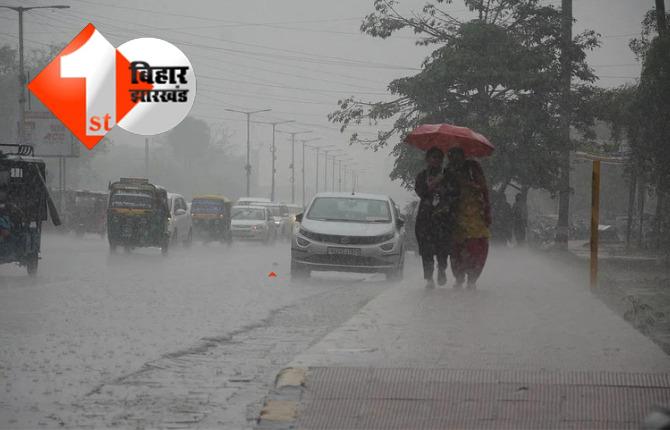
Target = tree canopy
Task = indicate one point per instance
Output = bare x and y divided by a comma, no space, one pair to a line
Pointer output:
497,73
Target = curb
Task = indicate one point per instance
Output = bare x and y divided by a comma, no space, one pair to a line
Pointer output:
280,409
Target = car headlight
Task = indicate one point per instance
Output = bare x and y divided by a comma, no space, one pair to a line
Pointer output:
302,241
308,234
277,222
387,246
387,236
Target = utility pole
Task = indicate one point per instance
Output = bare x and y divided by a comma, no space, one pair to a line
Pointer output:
325,166
332,182
22,73
304,144
339,178
562,229
660,17
292,166
339,188
273,150
247,167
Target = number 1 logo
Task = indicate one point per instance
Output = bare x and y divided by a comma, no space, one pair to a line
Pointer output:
90,88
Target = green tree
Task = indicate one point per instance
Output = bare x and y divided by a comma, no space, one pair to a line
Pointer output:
497,73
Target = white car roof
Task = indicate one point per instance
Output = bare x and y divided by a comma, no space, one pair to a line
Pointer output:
354,195
250,206
254,199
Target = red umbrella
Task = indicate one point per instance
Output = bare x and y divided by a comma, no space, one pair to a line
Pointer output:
447,136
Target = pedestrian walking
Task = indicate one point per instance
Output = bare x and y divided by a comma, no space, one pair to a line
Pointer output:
520,217
434,218
472,219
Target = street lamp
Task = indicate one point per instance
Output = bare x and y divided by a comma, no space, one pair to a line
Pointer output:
293,134
324,148
336,153
274,152
325,165
304,144
339,180
22,75
248,165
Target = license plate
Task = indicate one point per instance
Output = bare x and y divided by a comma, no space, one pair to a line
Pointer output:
343,251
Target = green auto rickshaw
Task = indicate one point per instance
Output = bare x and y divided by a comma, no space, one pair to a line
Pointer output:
211,218
137,215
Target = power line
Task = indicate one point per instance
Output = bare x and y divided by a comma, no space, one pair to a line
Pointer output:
240,53
328,59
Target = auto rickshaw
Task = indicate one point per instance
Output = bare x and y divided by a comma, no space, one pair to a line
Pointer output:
24,202
137,215
89,213
211,218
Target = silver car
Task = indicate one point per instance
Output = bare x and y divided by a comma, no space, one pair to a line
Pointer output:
252,222
349,232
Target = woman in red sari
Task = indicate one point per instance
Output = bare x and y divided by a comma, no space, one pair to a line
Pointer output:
472,219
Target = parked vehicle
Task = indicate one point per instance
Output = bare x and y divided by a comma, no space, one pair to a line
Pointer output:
349,232
211,216
24,203
138,215
253,222
89,213
180,225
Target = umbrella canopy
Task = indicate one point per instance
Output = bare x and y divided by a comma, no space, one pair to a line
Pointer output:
447,136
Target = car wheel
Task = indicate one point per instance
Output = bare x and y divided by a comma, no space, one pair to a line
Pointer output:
396,274
174,237
165,246
299,271
31,264
112,248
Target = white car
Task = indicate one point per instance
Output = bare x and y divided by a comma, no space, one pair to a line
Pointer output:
246,201
349,232
280,214
180,225
252,222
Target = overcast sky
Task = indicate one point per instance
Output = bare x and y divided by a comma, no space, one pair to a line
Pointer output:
296,57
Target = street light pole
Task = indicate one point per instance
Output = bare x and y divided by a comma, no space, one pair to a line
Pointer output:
22,73
274,155
248,165
325,166
334,157
293,134
303,166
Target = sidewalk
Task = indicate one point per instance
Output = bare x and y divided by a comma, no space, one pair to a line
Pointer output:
531,348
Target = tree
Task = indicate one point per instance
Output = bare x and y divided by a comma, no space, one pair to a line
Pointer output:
498,74
642,113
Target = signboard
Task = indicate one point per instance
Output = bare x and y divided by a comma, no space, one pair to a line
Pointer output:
48,136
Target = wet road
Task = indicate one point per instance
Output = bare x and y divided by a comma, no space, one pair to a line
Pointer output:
191,340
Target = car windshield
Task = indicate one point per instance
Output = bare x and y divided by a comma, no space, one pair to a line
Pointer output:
131,199
349,209
248,214
206,206
274,210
